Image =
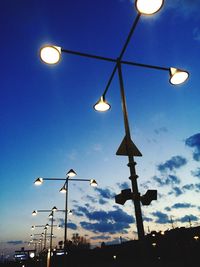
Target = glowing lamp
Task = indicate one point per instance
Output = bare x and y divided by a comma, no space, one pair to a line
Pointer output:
148,7
50,54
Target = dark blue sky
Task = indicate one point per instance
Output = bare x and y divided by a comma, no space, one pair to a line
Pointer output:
48,125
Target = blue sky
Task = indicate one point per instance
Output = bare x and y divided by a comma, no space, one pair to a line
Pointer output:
48,125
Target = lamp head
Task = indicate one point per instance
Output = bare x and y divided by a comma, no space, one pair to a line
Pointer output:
47,225
38,181
50,54
93,183
34,213
63,189
51,215
102,105
70,212
148,7
71,173
33,227
54,209
178,76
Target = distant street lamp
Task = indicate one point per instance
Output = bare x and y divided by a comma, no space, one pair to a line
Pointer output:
51,216
71,173
51,54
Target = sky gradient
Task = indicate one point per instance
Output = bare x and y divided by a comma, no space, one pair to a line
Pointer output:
48,125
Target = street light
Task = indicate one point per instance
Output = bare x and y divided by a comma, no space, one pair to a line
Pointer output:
127,147
51,216
64,189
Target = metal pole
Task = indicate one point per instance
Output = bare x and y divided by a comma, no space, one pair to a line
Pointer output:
51,237
131,163
45,238
66,211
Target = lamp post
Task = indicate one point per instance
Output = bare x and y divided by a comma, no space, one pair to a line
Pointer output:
71,173
43,234
51,216
51,54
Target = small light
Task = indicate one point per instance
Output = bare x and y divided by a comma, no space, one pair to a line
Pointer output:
70,212
102,105
63,189
34,213
178,76
196,237
32,255
153,244
54,209
33,227
51,215
162,232
93,183
50,54
114,257
148,7
38,181
47,225
71,173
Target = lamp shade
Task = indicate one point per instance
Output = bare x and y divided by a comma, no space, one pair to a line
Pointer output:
34,212
38,181
50,54
102,105
93,183
178,76
148,7
71,173
54,209
63,189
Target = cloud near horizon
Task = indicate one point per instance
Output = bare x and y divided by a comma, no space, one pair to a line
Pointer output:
194,142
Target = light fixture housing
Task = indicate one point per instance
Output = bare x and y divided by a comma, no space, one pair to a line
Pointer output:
51,215
38,181
102,105
178,76
50,54
34,213
70,212
63,189
148,7
54,209
93,183
33,227
71,173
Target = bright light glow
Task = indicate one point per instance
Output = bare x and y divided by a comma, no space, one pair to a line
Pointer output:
63,189
102,105
50,54
178,76
38,181
71,173
34,213
148,7
33,227
93,183
54,209
153,244
196,237
32,255
70,212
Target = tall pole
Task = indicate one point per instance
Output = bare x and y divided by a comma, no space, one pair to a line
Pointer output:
45,237
131,163
51,237
66,211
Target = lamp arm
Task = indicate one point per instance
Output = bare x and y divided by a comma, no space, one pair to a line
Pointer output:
144,65
87,55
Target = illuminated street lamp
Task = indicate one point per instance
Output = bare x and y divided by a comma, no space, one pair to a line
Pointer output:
64,189
51,216
127,148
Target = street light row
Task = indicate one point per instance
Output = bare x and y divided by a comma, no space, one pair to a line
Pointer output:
64,189
51,54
